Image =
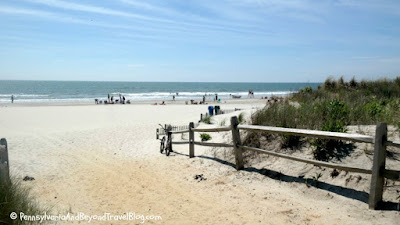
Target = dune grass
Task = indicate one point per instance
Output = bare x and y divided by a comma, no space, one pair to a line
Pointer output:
16,198
207,120
333,106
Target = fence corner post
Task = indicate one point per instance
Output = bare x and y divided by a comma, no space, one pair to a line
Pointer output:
191,140
236,142
379,161
4,162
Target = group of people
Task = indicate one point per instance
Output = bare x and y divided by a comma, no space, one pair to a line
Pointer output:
121,100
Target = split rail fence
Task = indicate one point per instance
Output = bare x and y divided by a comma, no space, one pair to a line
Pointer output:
378,170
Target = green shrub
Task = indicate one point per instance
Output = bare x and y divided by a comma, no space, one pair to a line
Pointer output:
205,137
336,114
374,108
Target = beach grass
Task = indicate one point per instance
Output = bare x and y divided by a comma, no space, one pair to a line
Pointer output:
207,120
14,197
333,106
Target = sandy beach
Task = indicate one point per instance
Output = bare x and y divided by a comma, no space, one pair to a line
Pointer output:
98,159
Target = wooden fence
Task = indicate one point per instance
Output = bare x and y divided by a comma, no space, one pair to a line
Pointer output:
160,131
222,111
378,171
4,163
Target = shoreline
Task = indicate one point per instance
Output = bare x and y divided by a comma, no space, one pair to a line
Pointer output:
146,102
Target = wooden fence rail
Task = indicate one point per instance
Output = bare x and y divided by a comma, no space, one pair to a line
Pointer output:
378,171
4,162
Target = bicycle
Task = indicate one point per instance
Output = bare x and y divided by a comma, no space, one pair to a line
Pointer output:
165,145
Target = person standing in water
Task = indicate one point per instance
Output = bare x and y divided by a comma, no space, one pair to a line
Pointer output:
12,98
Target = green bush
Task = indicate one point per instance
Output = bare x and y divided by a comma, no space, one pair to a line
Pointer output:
205,137
374,108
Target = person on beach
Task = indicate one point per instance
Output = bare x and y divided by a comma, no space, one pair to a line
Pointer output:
204,99
173,97
112,98
12,98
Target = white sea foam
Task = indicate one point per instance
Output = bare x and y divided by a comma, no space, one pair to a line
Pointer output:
138,96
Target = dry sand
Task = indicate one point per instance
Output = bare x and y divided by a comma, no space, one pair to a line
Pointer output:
96,159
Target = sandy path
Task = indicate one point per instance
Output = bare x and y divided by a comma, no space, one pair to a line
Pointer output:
96,160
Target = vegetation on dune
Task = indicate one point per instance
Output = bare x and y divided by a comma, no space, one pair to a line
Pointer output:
333,106
16,198
205,137
241,118
207,120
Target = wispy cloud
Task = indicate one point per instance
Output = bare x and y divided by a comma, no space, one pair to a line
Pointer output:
94,9
136,65
150,7
176,20
381,6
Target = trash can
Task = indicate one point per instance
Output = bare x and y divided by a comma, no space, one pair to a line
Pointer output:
211,110
217,110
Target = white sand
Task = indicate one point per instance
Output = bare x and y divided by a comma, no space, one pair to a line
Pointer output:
105,158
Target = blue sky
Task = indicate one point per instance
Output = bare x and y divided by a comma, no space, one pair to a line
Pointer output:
199,40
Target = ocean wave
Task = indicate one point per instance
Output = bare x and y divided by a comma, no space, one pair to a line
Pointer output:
22,95
169,94
150,96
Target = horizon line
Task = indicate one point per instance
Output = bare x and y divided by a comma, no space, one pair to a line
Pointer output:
168,81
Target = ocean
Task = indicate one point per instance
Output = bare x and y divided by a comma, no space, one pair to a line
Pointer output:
87,91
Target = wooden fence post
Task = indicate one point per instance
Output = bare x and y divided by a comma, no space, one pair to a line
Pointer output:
191,140
4,163
169,133
377,179
236,142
